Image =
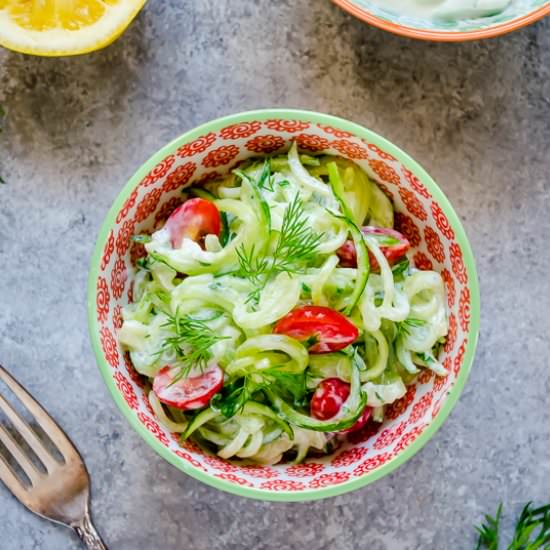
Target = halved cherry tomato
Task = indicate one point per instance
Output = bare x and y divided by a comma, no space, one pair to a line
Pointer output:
393,251
328,398
188,393
194,219
320,328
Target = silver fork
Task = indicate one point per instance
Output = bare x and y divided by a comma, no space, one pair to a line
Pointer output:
62,493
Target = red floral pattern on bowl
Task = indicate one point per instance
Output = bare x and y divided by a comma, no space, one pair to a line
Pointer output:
422,214
350,149
265,144
158,172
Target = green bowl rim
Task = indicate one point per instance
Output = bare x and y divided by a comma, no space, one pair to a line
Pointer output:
460,236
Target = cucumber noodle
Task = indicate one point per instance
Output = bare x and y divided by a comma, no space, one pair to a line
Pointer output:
262,413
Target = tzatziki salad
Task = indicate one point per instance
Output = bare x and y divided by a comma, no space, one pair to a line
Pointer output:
277,310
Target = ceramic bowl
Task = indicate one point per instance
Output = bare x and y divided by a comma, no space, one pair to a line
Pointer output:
519,14
424,215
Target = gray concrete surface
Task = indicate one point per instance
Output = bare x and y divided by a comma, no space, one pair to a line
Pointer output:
477,116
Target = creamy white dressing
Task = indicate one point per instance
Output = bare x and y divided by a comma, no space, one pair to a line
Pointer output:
444,9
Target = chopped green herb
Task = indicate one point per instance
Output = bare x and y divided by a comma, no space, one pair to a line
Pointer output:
143,263
264,181
232,398
400,267
404,328
311,341
142,239
224,234
294,385
283,183
426,357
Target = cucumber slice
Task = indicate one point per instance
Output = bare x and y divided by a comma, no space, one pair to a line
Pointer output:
203,194
199,420
380,207
349,413
250,407
363,263
253,407
337,186
254,198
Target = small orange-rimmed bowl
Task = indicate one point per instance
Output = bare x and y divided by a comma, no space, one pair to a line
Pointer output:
516,16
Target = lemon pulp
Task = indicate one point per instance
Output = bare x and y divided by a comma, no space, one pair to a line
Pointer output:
63,27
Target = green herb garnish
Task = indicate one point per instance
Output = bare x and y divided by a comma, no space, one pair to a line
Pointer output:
404,327
291,386
264,181
296,245
400,267
532,531
192,342
142,239
426,357
224,233
232,398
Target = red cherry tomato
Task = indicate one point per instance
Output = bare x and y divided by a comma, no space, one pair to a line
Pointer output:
328,399
188,393
194,219
392,252
322,329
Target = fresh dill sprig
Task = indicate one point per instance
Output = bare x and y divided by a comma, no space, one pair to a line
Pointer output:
404,327
192,342
264,181
532,531
296,245
251,265
489,531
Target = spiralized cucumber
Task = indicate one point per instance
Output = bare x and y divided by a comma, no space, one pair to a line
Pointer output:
363,264
231,285
191,259
278,298
349,413
291,356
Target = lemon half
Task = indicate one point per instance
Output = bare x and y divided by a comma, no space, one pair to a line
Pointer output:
64,27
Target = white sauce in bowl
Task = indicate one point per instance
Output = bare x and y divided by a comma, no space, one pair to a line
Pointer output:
444,9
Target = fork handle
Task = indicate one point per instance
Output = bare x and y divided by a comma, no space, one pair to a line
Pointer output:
88,535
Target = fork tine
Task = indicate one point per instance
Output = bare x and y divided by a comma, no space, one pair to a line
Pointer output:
55,433
22,459
12,482
28,435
